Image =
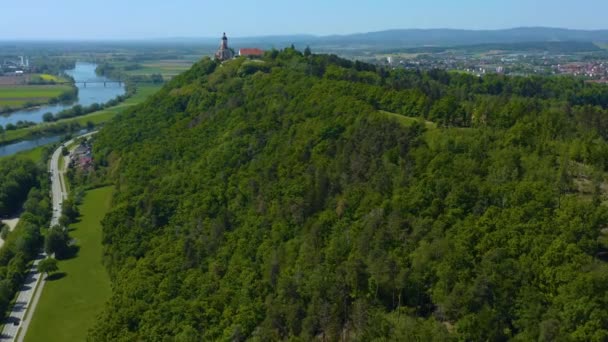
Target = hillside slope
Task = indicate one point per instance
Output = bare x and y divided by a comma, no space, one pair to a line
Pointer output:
280,199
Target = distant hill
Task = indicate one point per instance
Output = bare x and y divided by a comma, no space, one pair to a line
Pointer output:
417,37
552,47
420,37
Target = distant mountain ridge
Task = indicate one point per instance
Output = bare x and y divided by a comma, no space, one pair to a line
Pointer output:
423,37
417,37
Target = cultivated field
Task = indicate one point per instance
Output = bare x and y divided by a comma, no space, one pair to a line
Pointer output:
69,305
167,68
20,95
13,80
50,78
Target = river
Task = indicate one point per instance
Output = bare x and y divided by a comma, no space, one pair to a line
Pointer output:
26,145
92,93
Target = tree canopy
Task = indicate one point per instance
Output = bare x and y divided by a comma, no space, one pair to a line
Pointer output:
302,197
48,266
17,177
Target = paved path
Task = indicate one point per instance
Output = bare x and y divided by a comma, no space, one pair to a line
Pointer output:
15,326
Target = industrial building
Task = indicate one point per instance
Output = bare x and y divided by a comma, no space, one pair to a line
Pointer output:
16,66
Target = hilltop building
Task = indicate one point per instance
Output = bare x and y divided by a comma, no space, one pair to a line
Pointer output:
15,66
224,53
251,53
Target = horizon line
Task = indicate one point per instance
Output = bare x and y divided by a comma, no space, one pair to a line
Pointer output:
310,35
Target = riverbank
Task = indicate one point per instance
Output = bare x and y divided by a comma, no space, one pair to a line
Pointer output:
93,90
66,125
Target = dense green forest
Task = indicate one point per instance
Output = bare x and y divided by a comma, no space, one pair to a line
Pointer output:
295,198
17,177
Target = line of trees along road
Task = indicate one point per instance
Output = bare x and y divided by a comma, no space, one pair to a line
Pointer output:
277,199
24,186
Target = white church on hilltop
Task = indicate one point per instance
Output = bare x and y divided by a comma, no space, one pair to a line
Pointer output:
225,53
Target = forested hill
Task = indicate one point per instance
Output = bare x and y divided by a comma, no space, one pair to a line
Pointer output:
293,198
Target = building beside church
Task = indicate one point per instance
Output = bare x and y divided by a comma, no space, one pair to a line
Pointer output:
224,53
251,53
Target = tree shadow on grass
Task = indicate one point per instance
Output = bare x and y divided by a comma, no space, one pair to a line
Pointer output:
56,276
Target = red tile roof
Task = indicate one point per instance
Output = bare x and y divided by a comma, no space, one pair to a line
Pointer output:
251,52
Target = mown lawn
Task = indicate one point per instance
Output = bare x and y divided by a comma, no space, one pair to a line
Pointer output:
69,305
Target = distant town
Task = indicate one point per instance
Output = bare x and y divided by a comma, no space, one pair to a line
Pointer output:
529,60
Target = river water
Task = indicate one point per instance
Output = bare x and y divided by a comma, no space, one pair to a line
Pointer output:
8,150
87,95
92,93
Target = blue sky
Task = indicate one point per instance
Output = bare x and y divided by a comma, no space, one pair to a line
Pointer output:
127,19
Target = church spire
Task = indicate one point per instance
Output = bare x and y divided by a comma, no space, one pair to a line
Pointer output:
224,52
224,41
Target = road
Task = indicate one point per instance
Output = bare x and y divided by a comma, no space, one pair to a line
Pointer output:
34,282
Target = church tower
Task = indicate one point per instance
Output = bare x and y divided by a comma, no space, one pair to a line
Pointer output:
224,42
224,53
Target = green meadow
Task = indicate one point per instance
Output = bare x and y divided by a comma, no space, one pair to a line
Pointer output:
19,95
70,304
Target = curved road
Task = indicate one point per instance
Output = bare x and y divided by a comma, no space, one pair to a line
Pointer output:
15,326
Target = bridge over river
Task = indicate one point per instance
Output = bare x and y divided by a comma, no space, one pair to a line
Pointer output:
94,82
105,83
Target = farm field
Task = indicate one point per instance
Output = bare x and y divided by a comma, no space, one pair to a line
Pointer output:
52,78
69,305
45,78
16,96
166,68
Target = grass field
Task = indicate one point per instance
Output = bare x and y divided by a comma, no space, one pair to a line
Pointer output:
69,305
48,77
166,68
19,95
34,154
143,92
409,121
